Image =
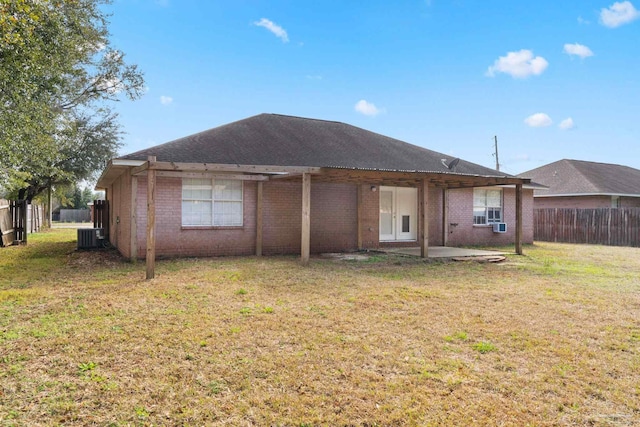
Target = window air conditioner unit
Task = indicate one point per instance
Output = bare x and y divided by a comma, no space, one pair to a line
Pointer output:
500,227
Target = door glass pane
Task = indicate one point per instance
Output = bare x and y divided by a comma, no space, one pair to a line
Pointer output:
386,212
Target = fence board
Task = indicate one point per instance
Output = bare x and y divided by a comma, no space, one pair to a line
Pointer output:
6,226
604,226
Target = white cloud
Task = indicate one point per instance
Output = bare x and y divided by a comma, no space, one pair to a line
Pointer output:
583,21
367,108
519,64
274,28
566,124
166,100
538,120
619,13
578,50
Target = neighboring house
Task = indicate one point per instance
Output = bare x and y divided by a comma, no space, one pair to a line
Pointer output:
275,184
581,184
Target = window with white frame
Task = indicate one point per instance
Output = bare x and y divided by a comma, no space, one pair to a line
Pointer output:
211,202
487,206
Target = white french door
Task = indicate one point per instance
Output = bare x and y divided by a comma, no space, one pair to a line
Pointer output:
398,213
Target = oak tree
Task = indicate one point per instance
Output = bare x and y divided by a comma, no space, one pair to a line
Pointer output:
58,75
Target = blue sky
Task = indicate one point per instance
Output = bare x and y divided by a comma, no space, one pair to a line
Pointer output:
551,79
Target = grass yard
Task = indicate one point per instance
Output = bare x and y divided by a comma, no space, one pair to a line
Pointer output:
549,338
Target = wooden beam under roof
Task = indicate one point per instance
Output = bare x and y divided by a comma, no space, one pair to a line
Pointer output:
409,179
218,167
337,175
213,175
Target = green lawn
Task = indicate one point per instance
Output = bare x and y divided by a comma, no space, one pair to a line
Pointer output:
549,338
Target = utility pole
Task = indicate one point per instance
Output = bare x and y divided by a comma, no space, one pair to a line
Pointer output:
496,152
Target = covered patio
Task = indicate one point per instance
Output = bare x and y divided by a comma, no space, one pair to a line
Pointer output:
422,180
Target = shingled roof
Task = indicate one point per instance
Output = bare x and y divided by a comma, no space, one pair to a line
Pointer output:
279,140
577,177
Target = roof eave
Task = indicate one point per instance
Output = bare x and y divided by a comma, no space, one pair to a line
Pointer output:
114,168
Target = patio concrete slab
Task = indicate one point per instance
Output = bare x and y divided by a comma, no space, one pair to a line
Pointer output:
443,252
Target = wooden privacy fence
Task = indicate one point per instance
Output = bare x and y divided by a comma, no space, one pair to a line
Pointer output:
75,215
101,215
604,226
18,219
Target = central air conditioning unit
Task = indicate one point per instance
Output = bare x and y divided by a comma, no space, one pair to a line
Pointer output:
500,227
90,238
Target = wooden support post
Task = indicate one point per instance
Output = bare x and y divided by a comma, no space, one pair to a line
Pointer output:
134,218
423,208
305,246
25,219
359,220
259,220
151,220
519,219
49,207
445,216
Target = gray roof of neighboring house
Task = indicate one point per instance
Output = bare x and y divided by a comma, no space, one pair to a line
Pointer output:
279,140
575,177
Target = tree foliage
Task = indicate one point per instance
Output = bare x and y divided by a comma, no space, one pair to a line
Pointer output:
73,197
58,72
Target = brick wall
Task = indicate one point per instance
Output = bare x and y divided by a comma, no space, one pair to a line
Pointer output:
370,225
435,215
333,219
463,232
119,197
172,239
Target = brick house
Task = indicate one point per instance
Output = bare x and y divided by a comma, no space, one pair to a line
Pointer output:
585,185
275,184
